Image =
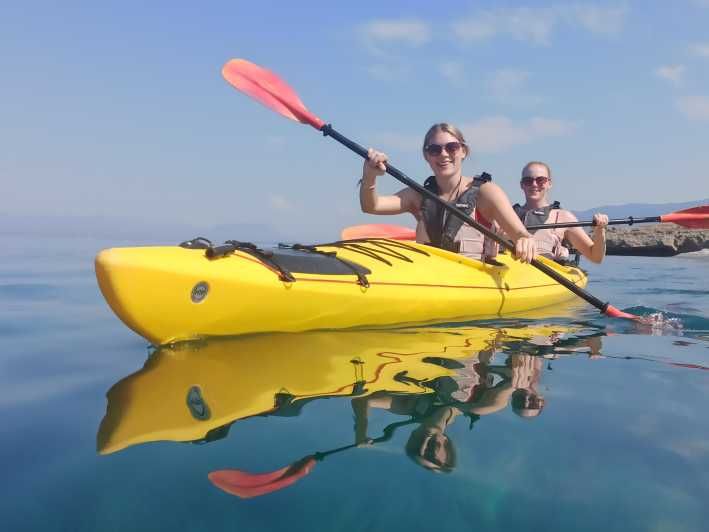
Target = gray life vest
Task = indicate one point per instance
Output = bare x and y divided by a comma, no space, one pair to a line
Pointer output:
535,216
442,227
547,241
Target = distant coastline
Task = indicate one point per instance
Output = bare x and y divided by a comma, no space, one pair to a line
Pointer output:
650,240
130,229
637,209
658,240
662,240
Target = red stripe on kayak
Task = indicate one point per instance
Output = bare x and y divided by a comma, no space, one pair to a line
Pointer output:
302,279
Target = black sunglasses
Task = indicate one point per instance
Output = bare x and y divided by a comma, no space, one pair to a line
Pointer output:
436,149
541,180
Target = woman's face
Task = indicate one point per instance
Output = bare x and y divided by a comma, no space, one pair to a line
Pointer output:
433,451
441,154
535,182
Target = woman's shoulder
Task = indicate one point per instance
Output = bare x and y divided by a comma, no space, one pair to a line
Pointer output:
564,215
411,200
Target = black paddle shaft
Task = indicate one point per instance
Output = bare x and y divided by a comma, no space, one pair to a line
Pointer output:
328,131
620,221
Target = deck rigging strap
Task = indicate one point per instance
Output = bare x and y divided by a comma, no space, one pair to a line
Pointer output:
361,277
252,249
386,247
378,249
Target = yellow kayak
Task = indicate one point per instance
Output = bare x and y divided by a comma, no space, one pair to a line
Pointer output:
169,294
192,391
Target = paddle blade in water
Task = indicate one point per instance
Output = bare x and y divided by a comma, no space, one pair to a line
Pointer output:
395,232
617,313
247,485
270,90
695,218
690,366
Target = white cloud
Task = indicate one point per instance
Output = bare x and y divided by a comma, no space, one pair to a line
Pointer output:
43,388
694,107
381,37
536,25
524,24
488,135
280,203
597,19
499,133
398,141
688,448
453,72
701,3
386,32
388,71
551,127
701,49
671,73
507,82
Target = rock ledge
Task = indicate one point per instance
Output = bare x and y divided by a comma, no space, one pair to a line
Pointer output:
655,240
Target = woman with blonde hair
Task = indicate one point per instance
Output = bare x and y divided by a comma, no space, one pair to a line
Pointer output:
444,149
536,183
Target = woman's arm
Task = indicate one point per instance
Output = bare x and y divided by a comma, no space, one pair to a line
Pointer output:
372,203
495,206
594,249
360,409
492,400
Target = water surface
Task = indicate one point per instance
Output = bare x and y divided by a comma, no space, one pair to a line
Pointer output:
104,433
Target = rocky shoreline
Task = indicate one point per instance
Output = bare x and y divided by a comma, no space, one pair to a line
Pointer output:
661,240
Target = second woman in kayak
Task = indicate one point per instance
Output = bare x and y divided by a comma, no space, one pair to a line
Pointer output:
444,149
537,210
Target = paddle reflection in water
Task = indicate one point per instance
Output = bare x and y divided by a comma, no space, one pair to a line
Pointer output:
433,376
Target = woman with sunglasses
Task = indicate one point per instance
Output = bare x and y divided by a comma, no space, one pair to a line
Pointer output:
444,149
536,183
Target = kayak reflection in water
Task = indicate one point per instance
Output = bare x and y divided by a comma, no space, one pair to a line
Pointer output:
536,183
444,149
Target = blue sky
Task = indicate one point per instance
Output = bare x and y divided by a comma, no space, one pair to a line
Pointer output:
119,109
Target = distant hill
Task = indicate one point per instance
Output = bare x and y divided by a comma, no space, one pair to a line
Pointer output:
130,229
638,209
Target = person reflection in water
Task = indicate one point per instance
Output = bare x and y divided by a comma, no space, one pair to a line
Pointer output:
489,388
526,400
428,445
471,391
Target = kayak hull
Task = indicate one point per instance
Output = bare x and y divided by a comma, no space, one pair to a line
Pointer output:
169,294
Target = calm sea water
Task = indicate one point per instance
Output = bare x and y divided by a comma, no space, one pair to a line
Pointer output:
572,422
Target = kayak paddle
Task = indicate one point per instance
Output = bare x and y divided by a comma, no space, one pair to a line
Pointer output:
693,218
271,91
247,485
394,232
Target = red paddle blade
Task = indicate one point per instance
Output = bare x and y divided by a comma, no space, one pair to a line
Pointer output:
690,366
395,232
270,90
617,313
247,485
695,218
